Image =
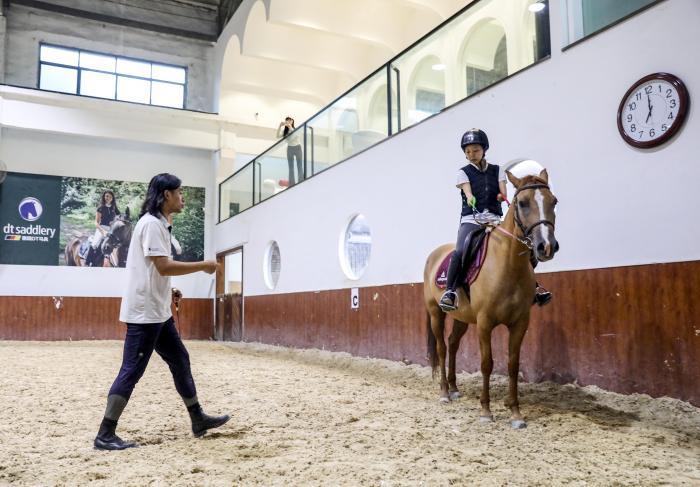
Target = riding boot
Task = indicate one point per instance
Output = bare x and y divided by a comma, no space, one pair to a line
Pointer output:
448,301
202,422
89,256
542,296
107,439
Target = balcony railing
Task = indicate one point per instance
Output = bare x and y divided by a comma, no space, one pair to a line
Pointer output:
485,42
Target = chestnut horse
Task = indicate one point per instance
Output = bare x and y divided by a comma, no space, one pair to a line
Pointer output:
502,293
114,246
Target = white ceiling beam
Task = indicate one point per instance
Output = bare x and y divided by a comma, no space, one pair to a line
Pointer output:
249,70
278,91
317,49
361,19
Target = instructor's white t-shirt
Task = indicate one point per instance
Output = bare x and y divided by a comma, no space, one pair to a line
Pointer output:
148,294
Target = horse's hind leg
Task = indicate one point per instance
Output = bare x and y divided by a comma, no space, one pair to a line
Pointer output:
458,330
515,339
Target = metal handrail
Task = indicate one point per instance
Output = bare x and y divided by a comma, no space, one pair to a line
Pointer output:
384,66
389,67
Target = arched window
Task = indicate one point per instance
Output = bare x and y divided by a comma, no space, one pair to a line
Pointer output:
484,56
427,87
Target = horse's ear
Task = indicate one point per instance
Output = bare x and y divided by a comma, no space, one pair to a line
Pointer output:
513,180
544,176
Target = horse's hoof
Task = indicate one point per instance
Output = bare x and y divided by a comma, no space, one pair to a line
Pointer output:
486,419
444,400
454,395
518,424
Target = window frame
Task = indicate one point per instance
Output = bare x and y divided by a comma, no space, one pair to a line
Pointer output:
268,272
572,18
346,263
116,75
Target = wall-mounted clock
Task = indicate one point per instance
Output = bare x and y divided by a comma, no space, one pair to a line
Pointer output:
653,110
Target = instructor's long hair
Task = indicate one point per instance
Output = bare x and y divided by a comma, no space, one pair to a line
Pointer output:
155,197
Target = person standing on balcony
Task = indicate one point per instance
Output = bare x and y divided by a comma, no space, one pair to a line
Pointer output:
293,149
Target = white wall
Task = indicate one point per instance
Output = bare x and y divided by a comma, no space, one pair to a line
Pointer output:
71,155
561,113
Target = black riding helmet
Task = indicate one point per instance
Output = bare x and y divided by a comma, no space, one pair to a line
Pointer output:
475,136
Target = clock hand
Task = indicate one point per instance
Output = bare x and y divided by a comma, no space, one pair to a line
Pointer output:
650,108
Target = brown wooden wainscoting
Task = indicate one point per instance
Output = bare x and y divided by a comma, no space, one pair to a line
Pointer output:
625,329
81,318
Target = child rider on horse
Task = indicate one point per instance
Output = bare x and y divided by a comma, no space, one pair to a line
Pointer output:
483,187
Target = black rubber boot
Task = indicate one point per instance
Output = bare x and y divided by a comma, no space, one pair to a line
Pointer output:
448,301
108,440
90,257
202,422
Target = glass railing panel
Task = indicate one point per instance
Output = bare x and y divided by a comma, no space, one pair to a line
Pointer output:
236,193
281,166
353,123
486,43
582,18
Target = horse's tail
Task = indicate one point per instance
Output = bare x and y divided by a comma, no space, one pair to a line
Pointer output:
432,345
68,252
68,255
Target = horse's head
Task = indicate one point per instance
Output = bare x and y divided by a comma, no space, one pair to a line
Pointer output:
533,206
119,234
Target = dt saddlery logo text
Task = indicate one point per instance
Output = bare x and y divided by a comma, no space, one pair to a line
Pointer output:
30,209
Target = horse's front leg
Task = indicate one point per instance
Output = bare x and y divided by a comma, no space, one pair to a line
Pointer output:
437,324
515,340
485,328
458,331
113,260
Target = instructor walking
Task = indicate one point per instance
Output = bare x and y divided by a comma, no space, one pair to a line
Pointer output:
146,311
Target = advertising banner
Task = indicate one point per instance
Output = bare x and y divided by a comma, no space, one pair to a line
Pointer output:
52,220
30,218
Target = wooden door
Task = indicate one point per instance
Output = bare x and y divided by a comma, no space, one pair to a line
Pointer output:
229,297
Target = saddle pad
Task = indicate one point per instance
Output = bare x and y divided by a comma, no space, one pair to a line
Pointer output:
474,267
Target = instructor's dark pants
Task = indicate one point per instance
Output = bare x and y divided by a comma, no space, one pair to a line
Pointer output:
141,340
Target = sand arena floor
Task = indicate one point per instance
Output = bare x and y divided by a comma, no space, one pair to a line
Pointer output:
320,418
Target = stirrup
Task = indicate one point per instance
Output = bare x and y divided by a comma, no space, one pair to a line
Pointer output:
448,301
542,297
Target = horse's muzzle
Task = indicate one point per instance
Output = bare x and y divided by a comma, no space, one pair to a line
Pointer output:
545,251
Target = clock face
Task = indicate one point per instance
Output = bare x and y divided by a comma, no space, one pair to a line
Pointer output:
652,110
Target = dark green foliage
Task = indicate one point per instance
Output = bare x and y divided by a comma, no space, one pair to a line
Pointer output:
188,226
80,198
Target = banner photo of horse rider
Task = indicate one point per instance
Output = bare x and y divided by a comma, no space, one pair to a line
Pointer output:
97,218
54,220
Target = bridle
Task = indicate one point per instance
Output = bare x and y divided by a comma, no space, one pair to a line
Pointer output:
528,230
114,240
526,240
